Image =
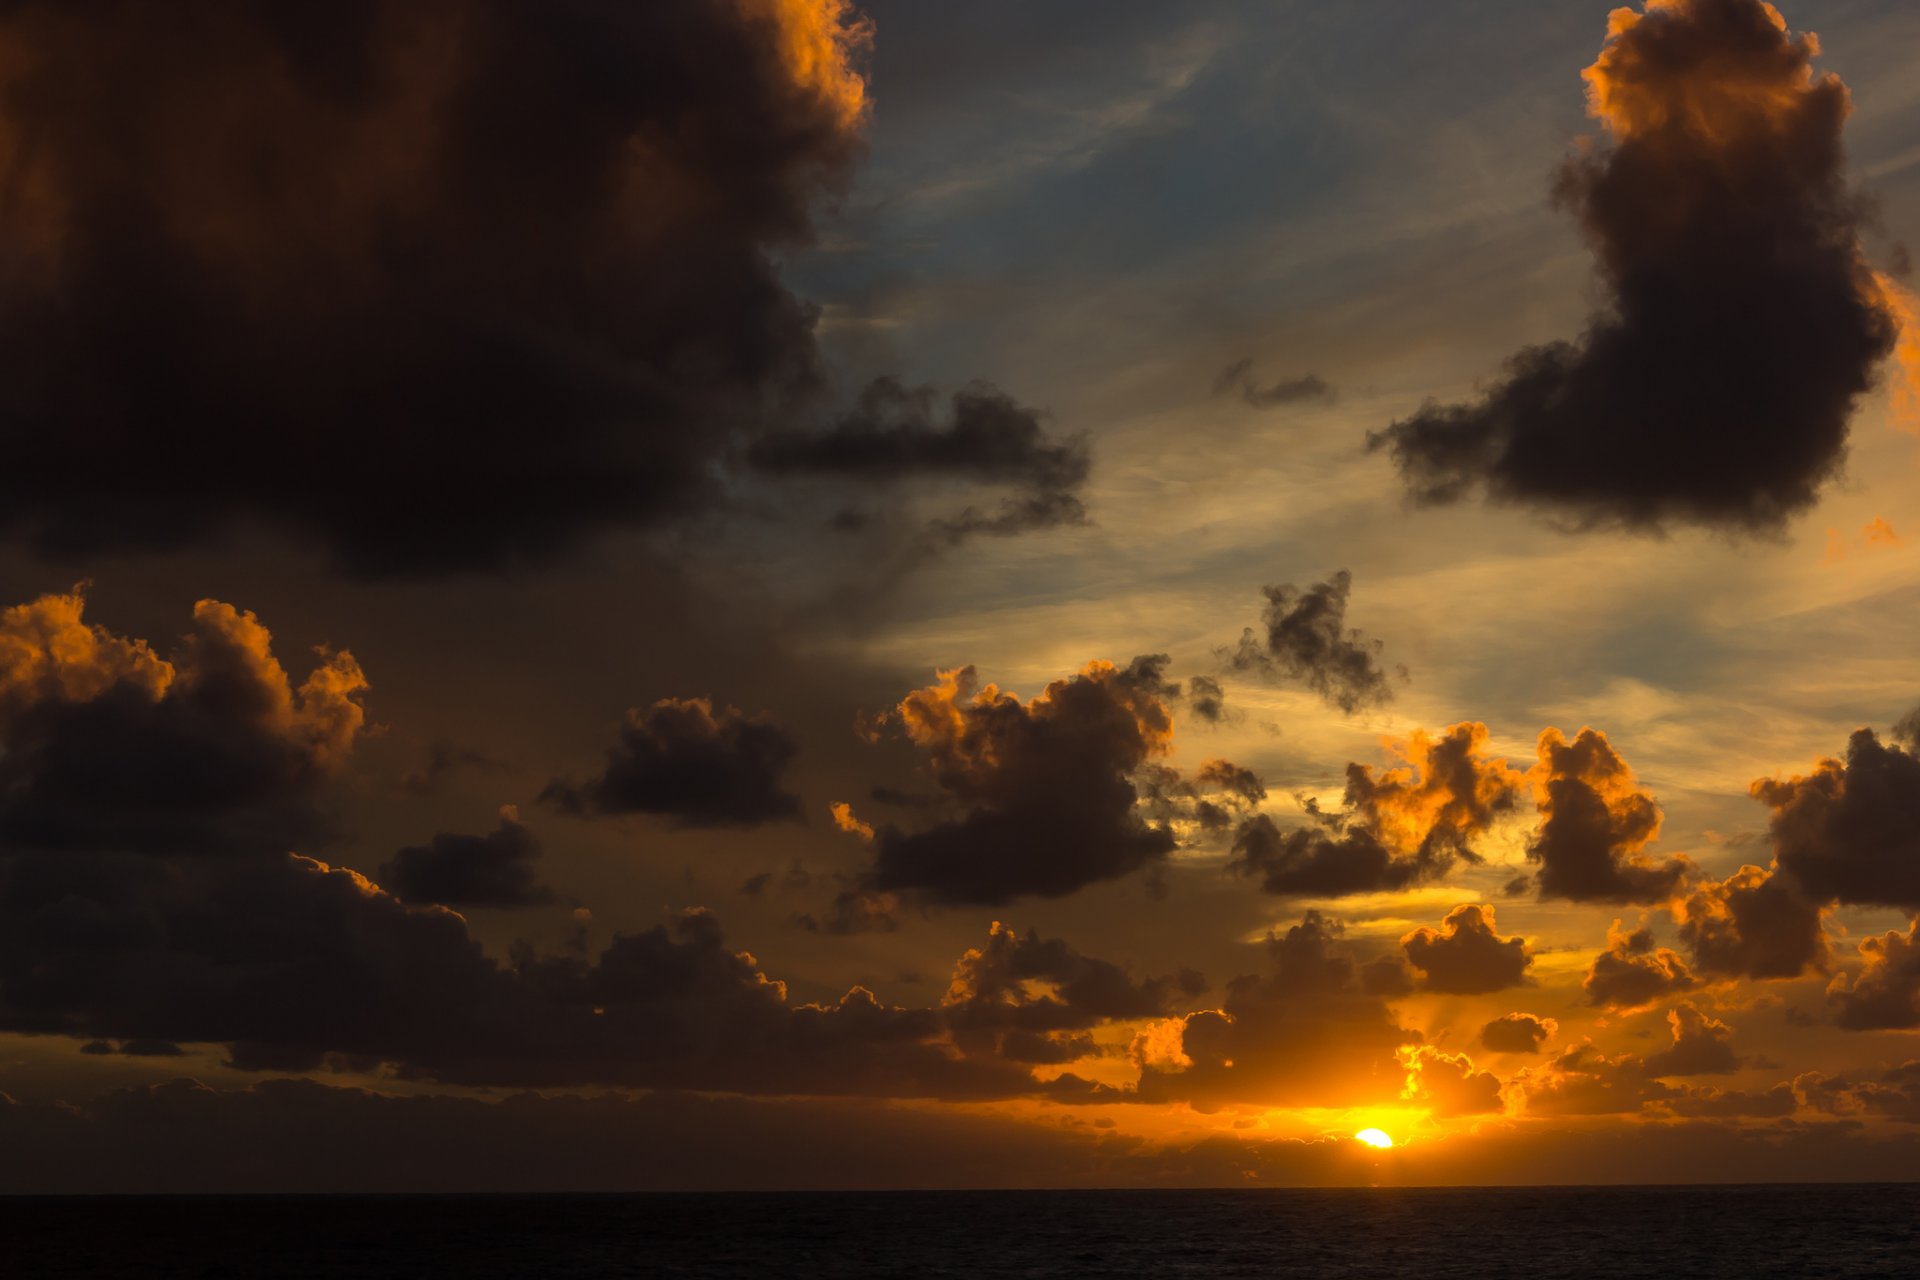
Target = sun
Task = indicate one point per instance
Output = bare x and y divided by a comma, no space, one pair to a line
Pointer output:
1379,1138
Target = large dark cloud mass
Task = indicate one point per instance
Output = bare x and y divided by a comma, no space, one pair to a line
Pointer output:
892,435
1307,640
683,759
1044,789
436,283
106,745
1741,323
1753,924
1398,827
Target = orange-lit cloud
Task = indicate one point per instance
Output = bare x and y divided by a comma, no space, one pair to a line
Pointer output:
1467,955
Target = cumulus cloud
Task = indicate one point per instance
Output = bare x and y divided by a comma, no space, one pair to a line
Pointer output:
1753,924
682,759
1885,994
463,284
1702,1046
1466,955
1306,640
1044,790
1448,1083
1304,1033
1633,972
1585,1082
1596,823
1741,321
106,745
1398,827
1850,830
493,870
892,435
1518,1033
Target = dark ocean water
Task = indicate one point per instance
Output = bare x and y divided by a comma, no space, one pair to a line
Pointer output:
1676,1233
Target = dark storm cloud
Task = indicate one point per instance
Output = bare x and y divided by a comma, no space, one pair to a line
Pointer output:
892,435
681,759
1741,322
1702,1046
1595,824
1753,925
1304,1033
1307,640
1399,826
437,285
1518,1033
1466,955
1237,379
106,745
1850,831
1044,789
1634,972
1885,994
494,870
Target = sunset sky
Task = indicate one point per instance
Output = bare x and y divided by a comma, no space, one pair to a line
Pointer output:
791,593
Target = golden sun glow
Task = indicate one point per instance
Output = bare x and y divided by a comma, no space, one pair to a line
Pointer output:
1376,1138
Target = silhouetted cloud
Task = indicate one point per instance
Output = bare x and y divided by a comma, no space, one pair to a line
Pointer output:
1585,1082
1633,972
1850,830
1045,791
106,745
1237,379
1399,827
1307,640
494,870
1753,924
1518,1033
1702,1046
463,284
1741,321
682,759
1596,823
1466,955
891,435
1885,994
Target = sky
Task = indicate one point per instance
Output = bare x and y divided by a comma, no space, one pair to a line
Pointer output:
787,593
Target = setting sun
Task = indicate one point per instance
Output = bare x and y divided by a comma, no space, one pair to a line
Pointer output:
1374,1138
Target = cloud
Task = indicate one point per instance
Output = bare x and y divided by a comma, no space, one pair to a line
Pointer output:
1023,996
1399,827
852,911
891,435
1633,972
1307,641
1206,699
1596,824
1518,1033
494,870
463,284
1850,830
443,757
1741,321
1753,924
1302,1034
681,759
1585,1082
1237,379
1702,1046
1885,994
1448,1083
1893,1094
1044,789
1466,956
106,745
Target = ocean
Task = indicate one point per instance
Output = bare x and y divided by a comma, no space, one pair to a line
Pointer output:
1673,1233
